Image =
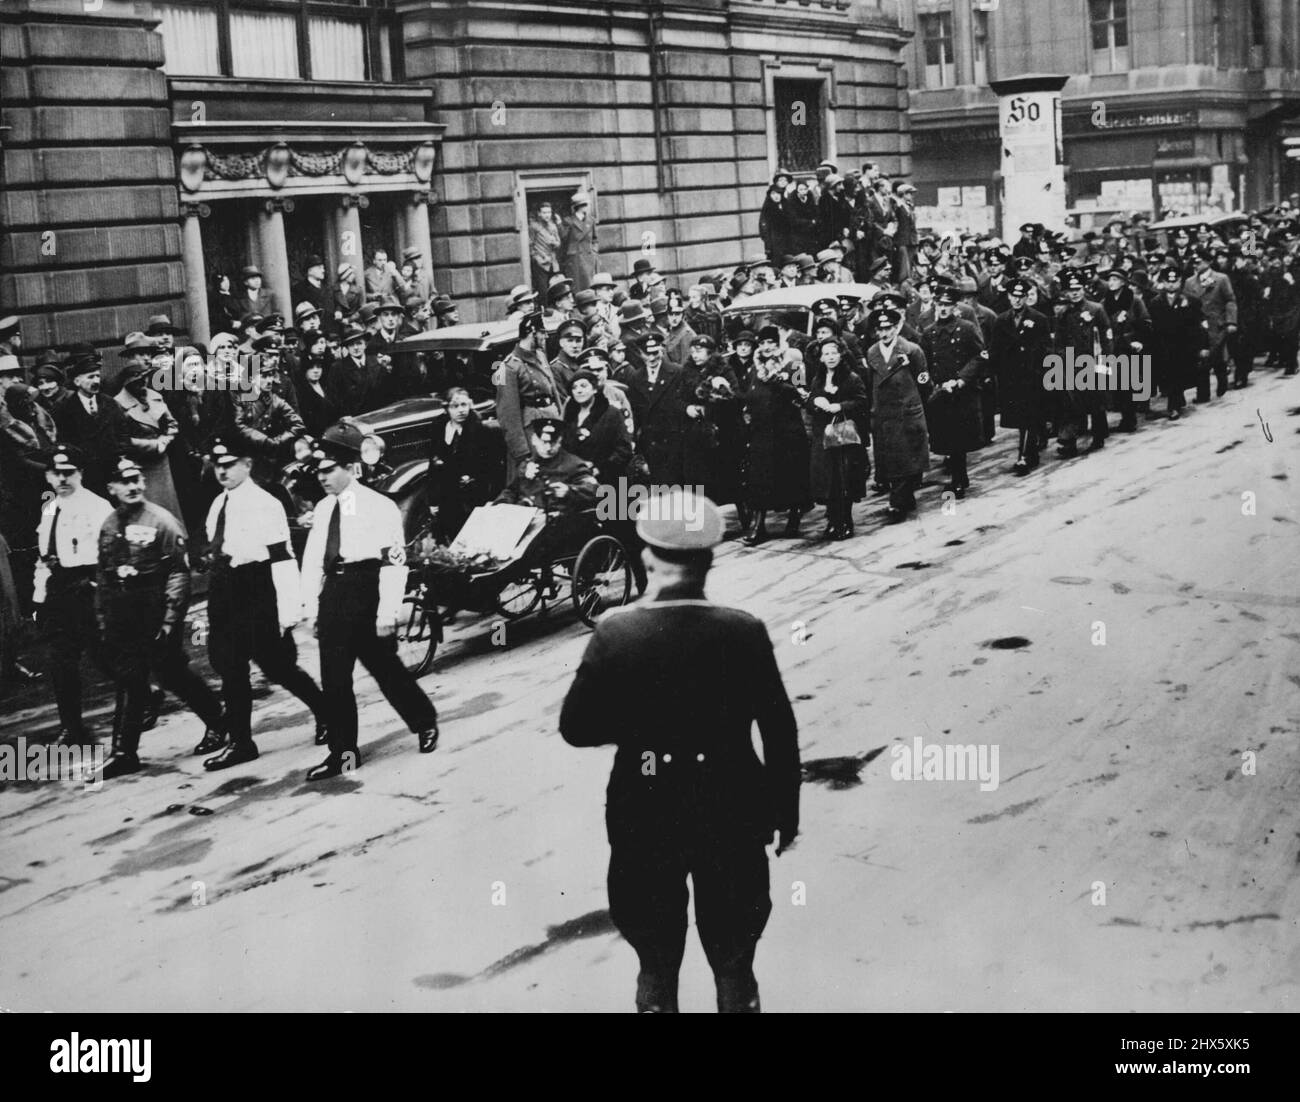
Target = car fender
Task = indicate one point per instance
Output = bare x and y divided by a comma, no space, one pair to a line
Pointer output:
403,478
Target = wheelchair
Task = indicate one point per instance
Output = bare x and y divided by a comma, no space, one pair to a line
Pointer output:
572,558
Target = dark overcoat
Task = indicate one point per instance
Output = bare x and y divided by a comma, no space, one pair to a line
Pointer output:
703,676
1178,333
1019,345
851,395
954,351
896,398
778,465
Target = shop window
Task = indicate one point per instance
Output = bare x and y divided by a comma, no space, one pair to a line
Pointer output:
1109,24
800,123
278,39
936,44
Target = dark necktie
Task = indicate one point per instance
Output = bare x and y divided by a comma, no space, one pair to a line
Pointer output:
219,534
52,548
93,407
332,555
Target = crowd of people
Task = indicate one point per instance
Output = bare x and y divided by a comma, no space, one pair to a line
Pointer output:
610,383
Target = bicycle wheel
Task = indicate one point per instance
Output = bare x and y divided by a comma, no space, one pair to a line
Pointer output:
602,578
419,631
518,598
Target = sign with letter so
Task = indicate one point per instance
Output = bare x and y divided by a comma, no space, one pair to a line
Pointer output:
1033,173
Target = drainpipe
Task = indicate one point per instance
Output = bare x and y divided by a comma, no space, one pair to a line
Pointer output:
653,16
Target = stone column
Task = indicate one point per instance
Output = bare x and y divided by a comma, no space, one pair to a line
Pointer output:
963,42
347,234
196,276
275,254
414,228
1274,36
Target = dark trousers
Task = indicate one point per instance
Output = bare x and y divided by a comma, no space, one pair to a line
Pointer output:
1076,423
902,492
1241,348
133,618
1216,360
647,902
1287,346
1031,443
243,627
957,468
988,407
67,620
346,630
1128,405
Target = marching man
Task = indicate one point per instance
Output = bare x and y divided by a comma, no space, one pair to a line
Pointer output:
354,573
253,602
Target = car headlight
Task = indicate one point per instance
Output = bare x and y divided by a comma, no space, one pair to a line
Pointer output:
372,450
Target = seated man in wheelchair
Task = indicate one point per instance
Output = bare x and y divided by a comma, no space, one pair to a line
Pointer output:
561,484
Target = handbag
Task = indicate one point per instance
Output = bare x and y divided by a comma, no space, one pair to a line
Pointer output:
840,433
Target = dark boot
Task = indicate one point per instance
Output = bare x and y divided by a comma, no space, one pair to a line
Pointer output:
832,522
758,534
846,521
737,992
656,993
792,523
122,757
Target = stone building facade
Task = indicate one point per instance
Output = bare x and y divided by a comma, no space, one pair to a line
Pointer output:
1171,105
160,145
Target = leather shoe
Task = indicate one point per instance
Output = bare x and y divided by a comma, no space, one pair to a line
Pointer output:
213,740
1174,415
235,754
428,739
18,672
120,764
80,737
331,767
322,733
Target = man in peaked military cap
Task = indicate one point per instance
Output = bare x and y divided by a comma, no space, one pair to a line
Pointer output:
354,575
253,602
67,543
688,796
142,593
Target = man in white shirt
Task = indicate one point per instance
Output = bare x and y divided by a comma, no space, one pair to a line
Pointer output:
354,574
253,602
67,543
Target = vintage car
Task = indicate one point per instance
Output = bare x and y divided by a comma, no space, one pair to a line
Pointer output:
397,452
790,307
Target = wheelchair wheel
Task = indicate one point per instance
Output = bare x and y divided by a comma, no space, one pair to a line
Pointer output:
602,578
419,631
518,598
